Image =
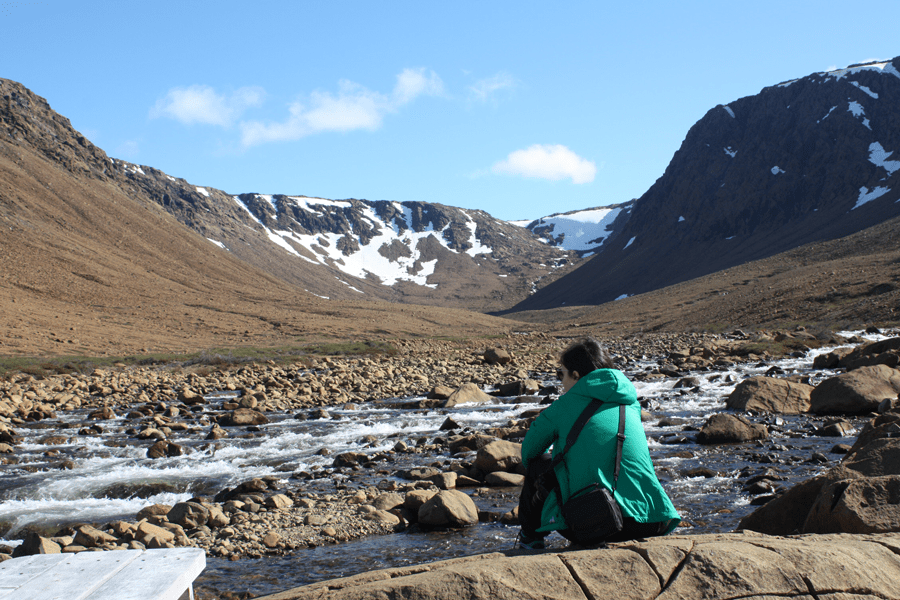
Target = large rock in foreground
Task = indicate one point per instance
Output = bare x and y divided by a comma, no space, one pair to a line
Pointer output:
706,567
770,394
855,392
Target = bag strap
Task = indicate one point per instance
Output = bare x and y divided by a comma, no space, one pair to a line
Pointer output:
582,420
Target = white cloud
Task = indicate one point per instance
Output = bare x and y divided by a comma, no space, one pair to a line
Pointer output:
547,161
484,89
202,104
128,149
353,107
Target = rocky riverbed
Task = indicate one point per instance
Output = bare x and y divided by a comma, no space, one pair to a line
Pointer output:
342,448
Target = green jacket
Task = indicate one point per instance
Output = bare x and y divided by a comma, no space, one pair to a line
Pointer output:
592,458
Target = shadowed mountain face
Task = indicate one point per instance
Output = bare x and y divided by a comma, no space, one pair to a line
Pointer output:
807,160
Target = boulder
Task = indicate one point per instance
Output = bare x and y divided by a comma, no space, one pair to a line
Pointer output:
387,501
863,505
496,356
502,479
242,417
35,544
770,394
499,456
448,508
855,392
188,514
164,449
278,501
439,392
468,393
706,567
153,510
723,428
91,537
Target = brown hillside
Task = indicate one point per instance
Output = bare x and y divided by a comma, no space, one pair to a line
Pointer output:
849,282
86,269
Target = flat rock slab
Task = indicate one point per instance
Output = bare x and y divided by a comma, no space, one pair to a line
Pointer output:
703,567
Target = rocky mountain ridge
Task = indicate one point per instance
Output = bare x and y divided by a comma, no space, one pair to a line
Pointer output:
803,161
413,252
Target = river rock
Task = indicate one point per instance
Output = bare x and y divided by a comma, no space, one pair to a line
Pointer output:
863,505
241,417
153,536
163,449
416,498
279,501
188,514
467,393
496,356
35,544
387,501
855,392
499,456
91,537
770,394
440,392
502,479
448,508
153,510
216,433
723,428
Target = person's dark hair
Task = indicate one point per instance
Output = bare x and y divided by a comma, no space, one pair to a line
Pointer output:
585,356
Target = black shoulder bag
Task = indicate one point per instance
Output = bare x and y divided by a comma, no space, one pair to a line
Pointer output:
592,513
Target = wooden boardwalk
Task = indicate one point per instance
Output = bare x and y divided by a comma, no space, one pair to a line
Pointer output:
165,574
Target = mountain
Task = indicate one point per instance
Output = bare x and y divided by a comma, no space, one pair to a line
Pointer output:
91,264
413,252
803,161
581,231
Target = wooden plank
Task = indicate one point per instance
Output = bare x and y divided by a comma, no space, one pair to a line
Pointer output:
16,572
163,574
76,577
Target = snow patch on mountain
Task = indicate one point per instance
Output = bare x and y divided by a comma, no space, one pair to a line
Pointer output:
350,253
583,231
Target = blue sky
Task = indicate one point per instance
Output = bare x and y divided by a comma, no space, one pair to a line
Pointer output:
521,109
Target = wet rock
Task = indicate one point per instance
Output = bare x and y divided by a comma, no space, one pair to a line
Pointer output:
450,425
855,392
467,393
216,433
770,394
163,449
730,429
836,429
448,508
242,417
499,456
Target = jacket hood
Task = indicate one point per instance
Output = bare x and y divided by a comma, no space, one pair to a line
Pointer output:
609,385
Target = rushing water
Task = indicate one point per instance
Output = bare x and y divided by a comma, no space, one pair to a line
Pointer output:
98,476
